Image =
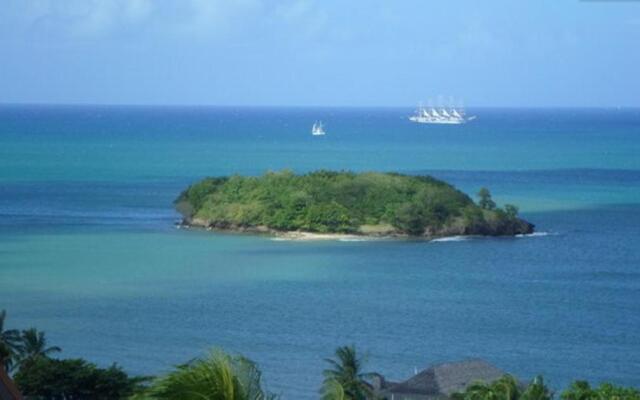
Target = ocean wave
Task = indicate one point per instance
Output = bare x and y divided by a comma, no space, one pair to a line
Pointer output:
536,234
451,239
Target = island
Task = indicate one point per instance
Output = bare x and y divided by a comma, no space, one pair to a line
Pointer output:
329,204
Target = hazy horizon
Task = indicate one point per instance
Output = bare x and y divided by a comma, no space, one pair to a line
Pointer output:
313,106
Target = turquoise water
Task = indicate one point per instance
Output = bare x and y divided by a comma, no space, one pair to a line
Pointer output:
89,252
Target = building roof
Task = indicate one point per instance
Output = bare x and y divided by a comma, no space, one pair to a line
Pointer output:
8,390
445,379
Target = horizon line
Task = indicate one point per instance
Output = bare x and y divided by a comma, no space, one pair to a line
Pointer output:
209,105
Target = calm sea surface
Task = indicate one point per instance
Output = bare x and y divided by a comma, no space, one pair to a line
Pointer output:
89,252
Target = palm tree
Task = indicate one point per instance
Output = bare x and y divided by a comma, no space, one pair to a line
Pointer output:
346,371
34,345
9,340
217,376
537,390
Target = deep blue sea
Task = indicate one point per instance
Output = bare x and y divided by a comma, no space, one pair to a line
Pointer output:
89,252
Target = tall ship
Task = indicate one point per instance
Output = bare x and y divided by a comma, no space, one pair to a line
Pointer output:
317,129
440,115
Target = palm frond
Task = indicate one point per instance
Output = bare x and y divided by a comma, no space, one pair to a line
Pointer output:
218,376
332,390
346,371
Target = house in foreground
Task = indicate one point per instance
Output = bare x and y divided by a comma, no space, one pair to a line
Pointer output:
438,382
8,390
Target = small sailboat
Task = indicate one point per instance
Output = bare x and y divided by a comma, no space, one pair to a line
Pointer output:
318,129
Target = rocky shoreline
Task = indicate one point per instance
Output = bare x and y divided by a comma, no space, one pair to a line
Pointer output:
522,227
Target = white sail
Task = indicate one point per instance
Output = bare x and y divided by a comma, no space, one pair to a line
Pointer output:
317,129
431,115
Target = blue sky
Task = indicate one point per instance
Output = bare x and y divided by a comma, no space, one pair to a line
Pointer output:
320,52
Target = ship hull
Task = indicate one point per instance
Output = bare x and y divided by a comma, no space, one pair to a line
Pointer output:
421,120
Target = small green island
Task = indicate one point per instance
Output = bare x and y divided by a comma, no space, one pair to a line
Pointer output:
327,202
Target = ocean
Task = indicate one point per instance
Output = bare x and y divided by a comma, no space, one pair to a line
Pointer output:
90,254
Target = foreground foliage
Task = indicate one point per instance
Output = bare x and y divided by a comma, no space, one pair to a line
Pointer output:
581,390
33,346
506,388
40,377
22,347
9,343
218,376
345,378
72,379
345,202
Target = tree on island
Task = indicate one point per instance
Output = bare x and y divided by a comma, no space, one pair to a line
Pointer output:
9,342
486,203
345,379
511,211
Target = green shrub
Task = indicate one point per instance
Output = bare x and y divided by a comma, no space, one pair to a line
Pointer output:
74,379
581,390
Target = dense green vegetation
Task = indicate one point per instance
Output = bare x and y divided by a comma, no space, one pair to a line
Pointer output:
345,202
506,388
71,379
581,390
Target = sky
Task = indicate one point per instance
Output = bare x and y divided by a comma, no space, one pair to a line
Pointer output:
523,53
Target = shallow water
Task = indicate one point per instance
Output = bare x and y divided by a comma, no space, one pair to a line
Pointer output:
89,252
